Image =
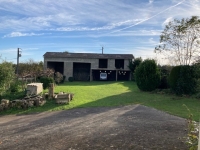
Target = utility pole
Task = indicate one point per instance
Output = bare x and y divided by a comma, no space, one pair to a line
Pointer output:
18,55
102,49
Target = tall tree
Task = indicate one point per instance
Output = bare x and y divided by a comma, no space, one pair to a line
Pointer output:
133,64
180,40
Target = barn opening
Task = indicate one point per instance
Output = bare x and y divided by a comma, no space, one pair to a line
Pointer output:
57,66
119,63
123,75
111,75
81,71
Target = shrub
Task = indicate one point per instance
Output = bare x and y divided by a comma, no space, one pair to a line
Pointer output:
70,79
183,80
15,86
164,71
13,96
174,76
147,75
46,81
7,74
187,82
64,77
164,82
193,131
58,77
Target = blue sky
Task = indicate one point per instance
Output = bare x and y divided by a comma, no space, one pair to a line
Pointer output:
84,26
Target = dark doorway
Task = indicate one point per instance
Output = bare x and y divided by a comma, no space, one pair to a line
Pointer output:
81,71
123,75
57,66
111,75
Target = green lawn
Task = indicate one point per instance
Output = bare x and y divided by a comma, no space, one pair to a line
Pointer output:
100,94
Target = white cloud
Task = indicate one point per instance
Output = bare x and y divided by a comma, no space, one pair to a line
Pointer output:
44,15
167,21
75,16
19,34
138,21
10,54
92,34
153,42
11,50
151,1
133,33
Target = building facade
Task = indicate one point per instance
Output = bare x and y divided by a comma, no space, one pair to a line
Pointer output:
89,66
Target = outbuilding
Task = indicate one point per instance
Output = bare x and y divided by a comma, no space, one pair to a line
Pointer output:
89,66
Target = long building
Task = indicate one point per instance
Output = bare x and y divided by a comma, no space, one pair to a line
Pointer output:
89,66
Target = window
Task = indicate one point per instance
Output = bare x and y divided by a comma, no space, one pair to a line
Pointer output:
119,63
103,63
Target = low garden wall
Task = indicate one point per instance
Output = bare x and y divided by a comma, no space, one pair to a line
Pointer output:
23,103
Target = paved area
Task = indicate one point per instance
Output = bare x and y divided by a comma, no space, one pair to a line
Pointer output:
126,127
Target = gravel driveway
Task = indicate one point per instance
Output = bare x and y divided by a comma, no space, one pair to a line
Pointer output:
126,127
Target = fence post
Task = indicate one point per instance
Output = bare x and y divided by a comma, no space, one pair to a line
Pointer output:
51,91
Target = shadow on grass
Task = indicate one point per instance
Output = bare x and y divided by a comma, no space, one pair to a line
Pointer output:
116,100
131,96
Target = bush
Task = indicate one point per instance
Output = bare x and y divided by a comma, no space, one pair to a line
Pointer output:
164,82
70,79
13,96
7,74
15,86
58,77
183,80
64,77
174,76
193,131
187,82
147,75
46,81
164,71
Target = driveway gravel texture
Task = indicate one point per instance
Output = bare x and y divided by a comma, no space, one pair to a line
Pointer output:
133,127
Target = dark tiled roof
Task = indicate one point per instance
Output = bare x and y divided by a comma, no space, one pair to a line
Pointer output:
86,55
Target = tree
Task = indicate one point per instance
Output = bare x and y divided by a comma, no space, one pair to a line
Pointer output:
133,64
7,75
180,40
30,67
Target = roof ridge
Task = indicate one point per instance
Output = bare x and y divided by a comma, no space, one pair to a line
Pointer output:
87,55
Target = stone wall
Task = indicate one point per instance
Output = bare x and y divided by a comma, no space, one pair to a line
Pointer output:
23,103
